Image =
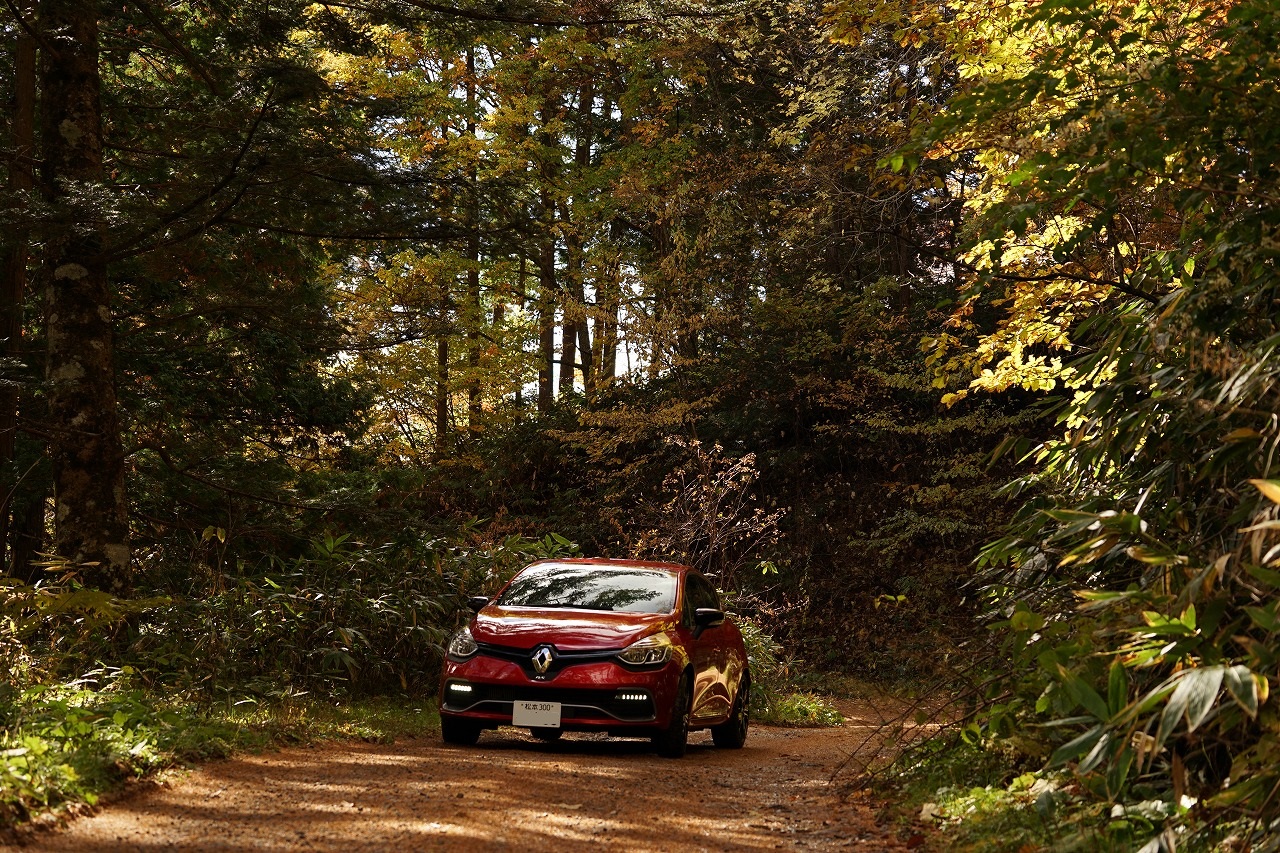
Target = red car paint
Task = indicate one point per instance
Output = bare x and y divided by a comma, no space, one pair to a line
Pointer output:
585,670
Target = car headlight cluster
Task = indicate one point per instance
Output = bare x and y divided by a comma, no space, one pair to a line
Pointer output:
463,645
651,651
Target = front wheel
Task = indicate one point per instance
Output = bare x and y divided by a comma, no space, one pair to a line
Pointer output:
459,732
671,741
732,733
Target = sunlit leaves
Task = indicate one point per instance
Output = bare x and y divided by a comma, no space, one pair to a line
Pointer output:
1148,130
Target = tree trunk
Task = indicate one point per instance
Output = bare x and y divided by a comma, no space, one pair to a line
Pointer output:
608,295
546,320
520,297
442,372
548,286
474,308
13,266
582,160
27,535
90,510
576,339
568,343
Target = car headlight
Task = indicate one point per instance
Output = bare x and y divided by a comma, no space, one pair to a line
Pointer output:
463,645
650,651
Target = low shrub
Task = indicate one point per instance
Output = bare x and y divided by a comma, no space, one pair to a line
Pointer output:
775,697
801,710
69,742
344,618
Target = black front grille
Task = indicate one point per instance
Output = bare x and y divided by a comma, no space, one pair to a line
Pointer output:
577,703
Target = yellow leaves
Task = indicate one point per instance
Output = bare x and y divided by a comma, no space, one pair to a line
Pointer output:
1270,489
1036,373
912,24
910,37
1037,321
649,131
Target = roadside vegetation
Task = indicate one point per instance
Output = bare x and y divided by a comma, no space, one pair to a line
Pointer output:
66,745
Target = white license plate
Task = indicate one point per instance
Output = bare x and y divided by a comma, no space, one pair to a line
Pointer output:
542,715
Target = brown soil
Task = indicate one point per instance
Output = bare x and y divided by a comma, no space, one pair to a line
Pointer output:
507,793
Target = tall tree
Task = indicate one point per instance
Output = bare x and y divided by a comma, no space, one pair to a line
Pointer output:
85,446
14,260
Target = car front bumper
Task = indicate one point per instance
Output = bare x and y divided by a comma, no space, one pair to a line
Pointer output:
596,696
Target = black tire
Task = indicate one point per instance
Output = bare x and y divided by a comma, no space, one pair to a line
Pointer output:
460,732
671,741
547,735
732,733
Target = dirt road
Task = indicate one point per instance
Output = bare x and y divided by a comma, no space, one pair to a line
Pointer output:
507,793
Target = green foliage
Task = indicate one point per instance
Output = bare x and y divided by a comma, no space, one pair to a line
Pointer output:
801,710
72,741
343,617
1123,258
965,789
771,673
775,677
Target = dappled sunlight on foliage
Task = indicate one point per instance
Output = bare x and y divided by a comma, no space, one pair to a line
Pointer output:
1134,591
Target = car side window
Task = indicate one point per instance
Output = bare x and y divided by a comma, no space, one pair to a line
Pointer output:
699,593
686,612
713,598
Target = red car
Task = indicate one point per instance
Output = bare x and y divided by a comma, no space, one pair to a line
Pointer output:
620,646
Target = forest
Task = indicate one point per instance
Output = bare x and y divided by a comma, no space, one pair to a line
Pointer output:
942,336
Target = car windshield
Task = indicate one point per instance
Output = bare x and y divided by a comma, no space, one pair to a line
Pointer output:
630,590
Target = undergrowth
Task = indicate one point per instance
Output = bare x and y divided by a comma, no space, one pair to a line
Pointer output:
976,796
777,694
71,742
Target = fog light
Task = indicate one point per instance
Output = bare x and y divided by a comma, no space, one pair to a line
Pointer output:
455,687
632,697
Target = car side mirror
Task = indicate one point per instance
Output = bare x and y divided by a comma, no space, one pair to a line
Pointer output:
707,617
476,602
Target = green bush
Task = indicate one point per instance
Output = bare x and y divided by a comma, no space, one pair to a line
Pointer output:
69,742
774,697
344,617
803,710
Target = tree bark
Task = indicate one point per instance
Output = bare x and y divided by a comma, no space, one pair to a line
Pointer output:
90,509
474,308
13,267
442,372
608,295
576,338
582,160
571,317
546,318
27,533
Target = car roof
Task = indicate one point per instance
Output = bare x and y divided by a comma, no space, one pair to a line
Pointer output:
675,568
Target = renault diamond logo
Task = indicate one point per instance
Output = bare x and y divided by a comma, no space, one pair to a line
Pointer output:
541,659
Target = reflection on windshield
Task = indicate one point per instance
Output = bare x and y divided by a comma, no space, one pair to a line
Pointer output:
593,588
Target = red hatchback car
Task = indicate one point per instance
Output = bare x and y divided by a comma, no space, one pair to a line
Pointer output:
620,646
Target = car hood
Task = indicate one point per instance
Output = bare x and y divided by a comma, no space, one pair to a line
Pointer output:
567,630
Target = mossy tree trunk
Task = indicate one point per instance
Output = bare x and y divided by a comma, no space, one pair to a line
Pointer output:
85,448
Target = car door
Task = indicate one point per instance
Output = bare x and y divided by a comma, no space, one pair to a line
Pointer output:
710,693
